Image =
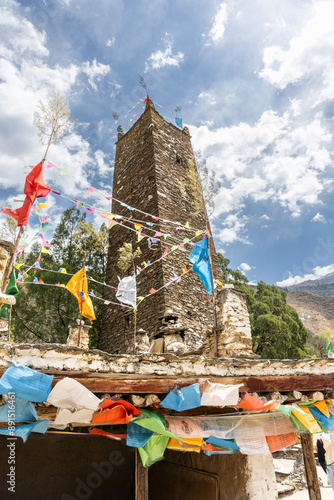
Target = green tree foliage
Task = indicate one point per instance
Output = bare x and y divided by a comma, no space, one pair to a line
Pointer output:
277,330
43,312
317,343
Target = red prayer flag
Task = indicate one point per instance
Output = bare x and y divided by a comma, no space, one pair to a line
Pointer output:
34,187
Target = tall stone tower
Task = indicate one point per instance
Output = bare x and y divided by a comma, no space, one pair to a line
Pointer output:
155,172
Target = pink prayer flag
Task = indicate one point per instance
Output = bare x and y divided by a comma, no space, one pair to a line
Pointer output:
108,197
92,190
90,210
58,284
46,244
153,290
157,234
21,247
50,165
178,228
207,233
155,218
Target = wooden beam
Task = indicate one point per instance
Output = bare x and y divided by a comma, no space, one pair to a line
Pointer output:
141,478
130,384
310,467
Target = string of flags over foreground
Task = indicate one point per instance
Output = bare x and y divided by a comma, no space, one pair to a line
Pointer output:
126,292
253,426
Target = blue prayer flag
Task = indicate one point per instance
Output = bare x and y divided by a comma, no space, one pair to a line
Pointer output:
26,383
137,436
18,410
200,258
178,121
318,415
184,399
23,431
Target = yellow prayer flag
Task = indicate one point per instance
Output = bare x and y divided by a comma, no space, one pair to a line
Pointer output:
45,250
307,420
322,406
220,283
43,205
63,271
78,283
187,224
111,223
185,444
138,226
86,307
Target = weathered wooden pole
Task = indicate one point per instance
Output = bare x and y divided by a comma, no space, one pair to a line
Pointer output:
141,478
310,467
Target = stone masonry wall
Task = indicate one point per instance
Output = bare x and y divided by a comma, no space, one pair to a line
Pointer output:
155,172
234,336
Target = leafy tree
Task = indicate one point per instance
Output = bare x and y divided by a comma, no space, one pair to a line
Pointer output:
44,312
317,343
53,121
277,330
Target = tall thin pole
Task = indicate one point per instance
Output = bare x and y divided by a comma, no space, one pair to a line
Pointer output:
82,285
11,261
9,320
20,233
135,312
215,340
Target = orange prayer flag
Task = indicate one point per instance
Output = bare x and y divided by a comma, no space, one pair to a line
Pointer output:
322,406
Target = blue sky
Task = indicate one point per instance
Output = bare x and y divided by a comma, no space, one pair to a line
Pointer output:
255,80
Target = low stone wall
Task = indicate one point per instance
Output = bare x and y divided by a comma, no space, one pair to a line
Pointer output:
61,357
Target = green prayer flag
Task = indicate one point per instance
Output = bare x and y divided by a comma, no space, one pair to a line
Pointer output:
62,172
329,348
10,290
154,450
154,422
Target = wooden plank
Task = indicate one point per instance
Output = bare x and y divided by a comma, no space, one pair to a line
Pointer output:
310,467
141,478
129,384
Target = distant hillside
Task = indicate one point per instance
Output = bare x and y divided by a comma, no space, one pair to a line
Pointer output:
315,311
322,286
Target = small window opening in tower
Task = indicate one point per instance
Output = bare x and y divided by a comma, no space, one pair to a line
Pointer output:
127,322
178,160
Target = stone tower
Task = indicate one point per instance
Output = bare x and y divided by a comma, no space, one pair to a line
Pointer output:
155,172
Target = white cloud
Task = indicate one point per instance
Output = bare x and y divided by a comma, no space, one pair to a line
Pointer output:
111,41
208,97
95,71
310,56
318,272
217,29
244,267
318,218
279,158
234,230
162,58
265,217
25,78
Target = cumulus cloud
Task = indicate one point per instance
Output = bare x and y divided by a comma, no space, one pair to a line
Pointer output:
234,230
318,218
25,78
277,159
162,58
265,217
244,267
310,56
318,272
217,29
